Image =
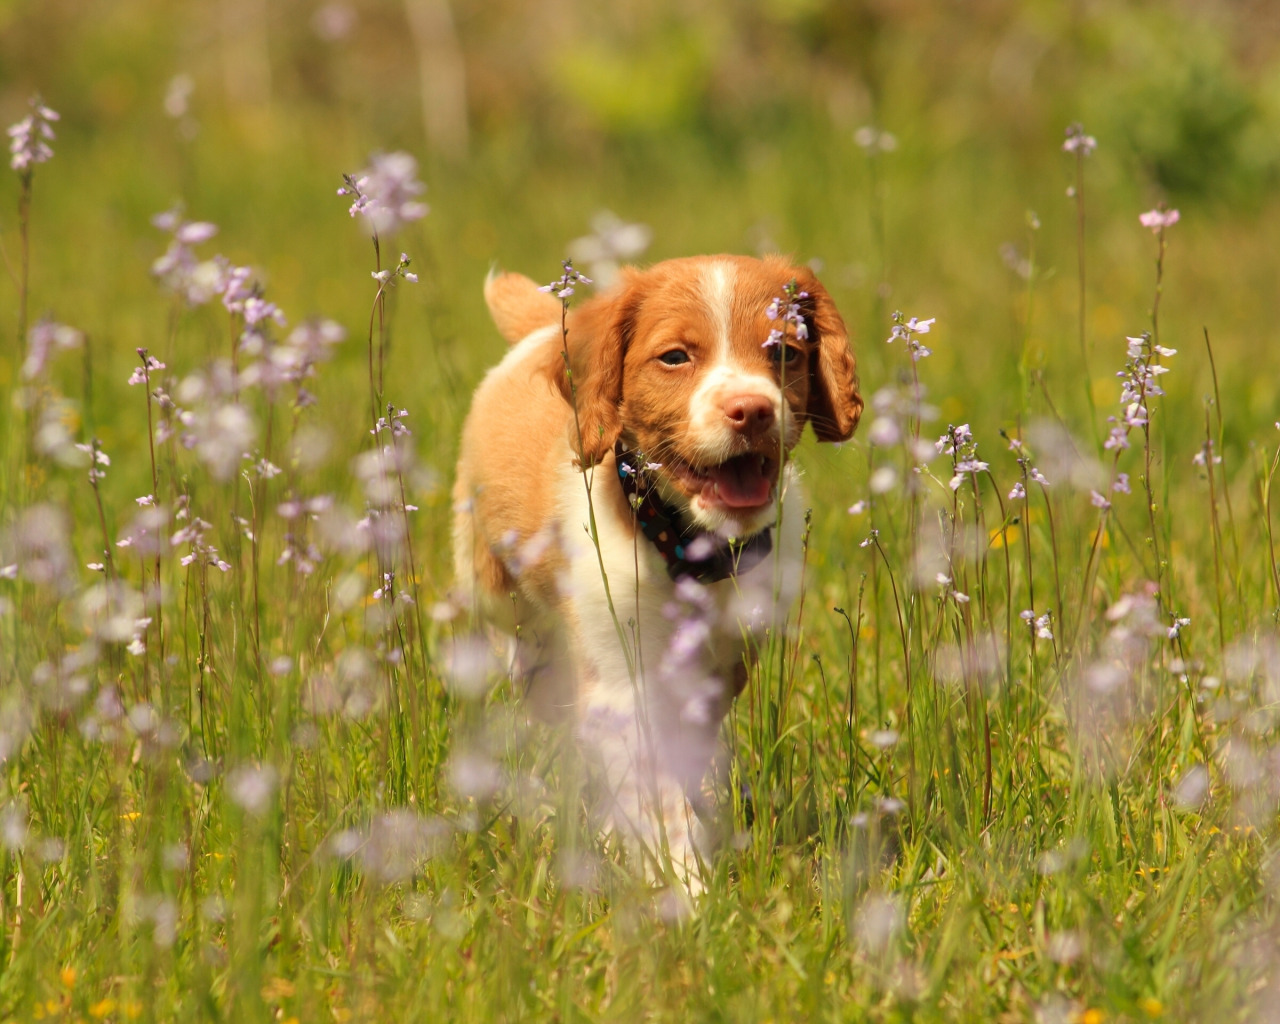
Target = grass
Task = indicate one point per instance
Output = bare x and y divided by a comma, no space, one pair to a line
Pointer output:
305,802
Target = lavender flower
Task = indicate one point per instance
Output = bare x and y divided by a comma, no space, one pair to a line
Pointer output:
142,373
177,95
221,436
565,284
907,329
252,786
43,339
958,442
1138,384
785,310
383,193
388,277
1159,219
97,458
873,140
1205,457
612,241
949,590
179,270
200,551
1078,142
30,138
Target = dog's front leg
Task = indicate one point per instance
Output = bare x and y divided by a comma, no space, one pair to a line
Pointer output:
650,761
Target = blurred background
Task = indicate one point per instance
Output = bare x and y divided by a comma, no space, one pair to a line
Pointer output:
906,148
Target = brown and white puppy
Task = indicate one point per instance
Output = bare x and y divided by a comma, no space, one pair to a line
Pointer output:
667,435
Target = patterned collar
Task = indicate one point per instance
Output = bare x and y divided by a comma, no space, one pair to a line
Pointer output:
687,550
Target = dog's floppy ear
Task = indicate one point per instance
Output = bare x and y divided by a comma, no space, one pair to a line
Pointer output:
599,332
834,402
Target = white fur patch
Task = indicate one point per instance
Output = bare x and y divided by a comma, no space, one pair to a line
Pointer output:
718,282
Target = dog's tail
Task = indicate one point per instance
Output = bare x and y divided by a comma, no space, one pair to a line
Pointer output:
518,306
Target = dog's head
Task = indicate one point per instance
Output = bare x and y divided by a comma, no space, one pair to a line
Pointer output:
674,361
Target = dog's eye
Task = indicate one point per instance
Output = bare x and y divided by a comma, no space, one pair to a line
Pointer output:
789,353
675,357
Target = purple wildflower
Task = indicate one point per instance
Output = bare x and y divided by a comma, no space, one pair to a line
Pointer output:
564,285
612,241
42,340
785,310
142,372
383,193
178,269
907,329
1159,219
1078,142
31,136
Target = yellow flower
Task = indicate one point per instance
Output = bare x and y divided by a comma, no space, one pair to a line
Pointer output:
1000,536
1151,1007
68,976
1092,1016
277,989
100,1009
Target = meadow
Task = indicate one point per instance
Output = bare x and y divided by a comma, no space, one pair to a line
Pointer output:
1014,756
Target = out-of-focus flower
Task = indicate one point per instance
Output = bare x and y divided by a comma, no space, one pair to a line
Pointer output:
873,140
612,242
251,787
177,95
111,611
1078,142
178,269
1159,219
333,22
222,436
30,138
384,192
45,338
38,548
877,921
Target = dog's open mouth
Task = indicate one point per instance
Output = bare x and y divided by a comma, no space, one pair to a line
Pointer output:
744,481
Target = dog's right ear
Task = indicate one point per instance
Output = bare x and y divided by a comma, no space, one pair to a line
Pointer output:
586,366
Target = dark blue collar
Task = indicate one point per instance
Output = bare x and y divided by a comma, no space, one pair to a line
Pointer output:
688,551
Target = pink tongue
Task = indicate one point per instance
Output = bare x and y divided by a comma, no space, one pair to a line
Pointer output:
738,483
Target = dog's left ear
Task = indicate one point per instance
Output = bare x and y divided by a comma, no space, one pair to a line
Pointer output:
834,402
599,332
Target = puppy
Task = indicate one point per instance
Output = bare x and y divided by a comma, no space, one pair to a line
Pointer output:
618,496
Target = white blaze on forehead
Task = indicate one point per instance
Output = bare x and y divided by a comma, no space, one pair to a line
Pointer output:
722,376
718,281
